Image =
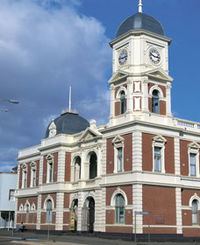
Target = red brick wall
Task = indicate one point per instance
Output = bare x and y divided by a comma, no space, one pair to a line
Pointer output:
147,140
110,156
184,157
162,107
31,200
67,166
119,229
117,108
127,154
161,202
66,200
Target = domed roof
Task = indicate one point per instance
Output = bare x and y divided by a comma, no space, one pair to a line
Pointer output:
140,21
67,123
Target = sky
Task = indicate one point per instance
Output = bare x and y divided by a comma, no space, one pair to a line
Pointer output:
48,45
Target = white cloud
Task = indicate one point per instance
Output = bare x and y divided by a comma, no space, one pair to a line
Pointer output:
42,51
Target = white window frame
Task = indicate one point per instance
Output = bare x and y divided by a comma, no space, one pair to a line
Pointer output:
193,148
159,141
50,161
118,142
33,169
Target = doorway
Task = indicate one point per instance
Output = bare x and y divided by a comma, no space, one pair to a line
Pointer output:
88,215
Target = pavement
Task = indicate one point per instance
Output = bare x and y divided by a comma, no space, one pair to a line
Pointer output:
28,238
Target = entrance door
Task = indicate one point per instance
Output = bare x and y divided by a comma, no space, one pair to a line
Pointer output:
88,215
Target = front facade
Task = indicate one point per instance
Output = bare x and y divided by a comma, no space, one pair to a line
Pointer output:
140,172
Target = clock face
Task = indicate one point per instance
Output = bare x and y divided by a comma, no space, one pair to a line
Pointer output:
123,56
154,56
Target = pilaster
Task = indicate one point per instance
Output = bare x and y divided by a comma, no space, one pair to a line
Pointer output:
137,151
41,170
39,203
61,166
168,97
177,155
178,211
59,211
145,99
137,206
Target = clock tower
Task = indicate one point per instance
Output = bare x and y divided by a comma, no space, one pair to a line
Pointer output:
140,85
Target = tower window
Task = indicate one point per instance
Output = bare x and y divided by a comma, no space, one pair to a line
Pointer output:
122,102
155,102
119,159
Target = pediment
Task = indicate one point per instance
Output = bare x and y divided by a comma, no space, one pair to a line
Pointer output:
118,76
160,139
159,74
194,145
90,134
118,139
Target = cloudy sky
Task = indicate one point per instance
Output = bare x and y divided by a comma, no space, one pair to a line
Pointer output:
47,45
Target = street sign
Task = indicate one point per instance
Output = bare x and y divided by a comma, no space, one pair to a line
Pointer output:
142,213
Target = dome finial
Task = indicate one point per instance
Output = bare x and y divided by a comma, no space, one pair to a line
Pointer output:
140,5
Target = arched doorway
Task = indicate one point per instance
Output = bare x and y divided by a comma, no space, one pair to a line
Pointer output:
88,214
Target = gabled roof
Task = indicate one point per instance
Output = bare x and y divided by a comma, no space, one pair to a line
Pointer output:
118,76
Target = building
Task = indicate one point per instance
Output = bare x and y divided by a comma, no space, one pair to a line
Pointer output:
8,184
88,178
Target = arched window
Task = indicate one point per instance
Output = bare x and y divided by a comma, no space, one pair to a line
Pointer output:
49,169
155,102
77,168
119,209
24,177
122,102
49,211
33,174
93,166
195,218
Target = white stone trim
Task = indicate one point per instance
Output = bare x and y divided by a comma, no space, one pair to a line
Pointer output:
177,156
137,202
39,204
194,197
137,151
178,211
118,191
59,210
61,166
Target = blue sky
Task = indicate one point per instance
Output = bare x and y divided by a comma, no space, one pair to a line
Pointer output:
46,45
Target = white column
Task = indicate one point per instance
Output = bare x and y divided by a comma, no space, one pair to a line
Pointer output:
112,101
145,98
137,151
137,206
41,170
61,166
129,97
79,213
99,225
177,155
83,166
178,211
99,162
39,203
59,211
168,98
103,157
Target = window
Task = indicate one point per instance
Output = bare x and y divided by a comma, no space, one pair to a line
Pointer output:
27,213
193,164
49,168
195,218
48,211
24,177
159,154
77,168
119,159
119,209
12,195
93,166
155,102
33,174
122,102
118,143
157,159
